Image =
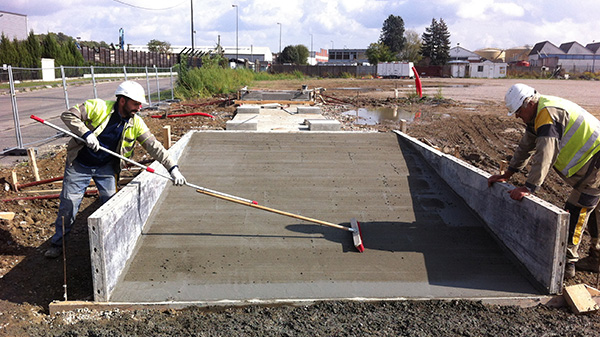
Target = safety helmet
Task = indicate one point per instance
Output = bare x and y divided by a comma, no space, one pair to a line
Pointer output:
132,90
516,95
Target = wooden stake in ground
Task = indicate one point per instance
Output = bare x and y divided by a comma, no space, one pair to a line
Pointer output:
15,180
403,125
33,163
167,136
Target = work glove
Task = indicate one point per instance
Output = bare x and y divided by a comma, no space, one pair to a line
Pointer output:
178,178
92,142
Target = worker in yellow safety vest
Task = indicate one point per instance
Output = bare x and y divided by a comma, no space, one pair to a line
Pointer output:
559,134
115,126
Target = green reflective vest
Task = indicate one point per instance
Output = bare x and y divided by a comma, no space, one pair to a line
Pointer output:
99,112
580,139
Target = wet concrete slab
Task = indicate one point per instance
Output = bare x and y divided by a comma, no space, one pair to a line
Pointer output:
421,240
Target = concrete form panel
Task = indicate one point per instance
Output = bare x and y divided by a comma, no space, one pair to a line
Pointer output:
116,226
323,124
421,240
532,229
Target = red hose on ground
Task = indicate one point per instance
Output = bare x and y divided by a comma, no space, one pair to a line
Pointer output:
418,82
40,182
186,115
49,196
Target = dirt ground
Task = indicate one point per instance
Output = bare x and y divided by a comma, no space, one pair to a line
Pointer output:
464,117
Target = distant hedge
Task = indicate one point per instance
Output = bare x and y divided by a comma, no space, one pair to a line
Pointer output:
28,53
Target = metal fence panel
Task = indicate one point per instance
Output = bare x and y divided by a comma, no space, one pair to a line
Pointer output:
73,86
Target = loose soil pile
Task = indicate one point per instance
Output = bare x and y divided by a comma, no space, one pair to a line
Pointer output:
465,118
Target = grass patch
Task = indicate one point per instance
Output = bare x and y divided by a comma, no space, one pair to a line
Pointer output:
213,78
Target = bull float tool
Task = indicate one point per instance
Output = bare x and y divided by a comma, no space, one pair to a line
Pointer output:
354,225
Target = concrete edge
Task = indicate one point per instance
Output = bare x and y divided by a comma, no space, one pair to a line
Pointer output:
555,301
540,246
114,228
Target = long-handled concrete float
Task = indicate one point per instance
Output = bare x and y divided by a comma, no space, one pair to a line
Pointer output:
354,225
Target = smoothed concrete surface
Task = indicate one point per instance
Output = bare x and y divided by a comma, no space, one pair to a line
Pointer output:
421,240
533,230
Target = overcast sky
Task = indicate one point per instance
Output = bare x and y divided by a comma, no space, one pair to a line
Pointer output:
474,24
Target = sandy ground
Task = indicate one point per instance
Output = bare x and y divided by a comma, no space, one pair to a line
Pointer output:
465,117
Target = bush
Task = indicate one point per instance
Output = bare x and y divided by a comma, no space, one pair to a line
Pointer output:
209,80
213,79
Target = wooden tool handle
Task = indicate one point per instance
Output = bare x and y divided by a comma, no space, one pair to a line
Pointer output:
273,210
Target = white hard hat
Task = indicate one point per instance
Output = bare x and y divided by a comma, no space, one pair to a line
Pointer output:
516,95
132,90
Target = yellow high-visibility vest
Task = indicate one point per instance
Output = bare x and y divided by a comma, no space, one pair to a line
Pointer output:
99,112
580,139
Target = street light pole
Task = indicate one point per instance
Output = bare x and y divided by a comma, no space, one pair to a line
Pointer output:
192,8
311,46
279,23
237,56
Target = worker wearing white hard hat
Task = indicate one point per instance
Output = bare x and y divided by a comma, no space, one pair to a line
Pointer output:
560,135
116,126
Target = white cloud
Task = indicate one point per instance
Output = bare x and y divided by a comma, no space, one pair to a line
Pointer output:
354,24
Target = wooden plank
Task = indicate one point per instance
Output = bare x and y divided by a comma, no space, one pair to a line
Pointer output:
579,299
274,101
33,163
7,215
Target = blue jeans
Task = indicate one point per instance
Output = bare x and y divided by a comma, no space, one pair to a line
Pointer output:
76,180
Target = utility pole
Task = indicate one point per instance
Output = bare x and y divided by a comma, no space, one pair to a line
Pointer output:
237,56
279,23
192,8
311,47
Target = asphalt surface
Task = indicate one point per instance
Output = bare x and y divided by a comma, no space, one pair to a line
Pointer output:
49,103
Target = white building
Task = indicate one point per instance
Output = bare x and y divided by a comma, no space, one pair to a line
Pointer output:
13,25
487,69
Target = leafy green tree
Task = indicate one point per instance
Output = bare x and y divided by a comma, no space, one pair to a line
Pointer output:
379,52
412,47
23,59
8,52
34,49
289,54
156,46
436,43
50,48
303,54
73,54
392,34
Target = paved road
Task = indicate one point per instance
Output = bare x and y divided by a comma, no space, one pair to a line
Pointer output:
48,104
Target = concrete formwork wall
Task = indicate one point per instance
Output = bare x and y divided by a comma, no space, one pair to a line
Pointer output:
532,229
116,226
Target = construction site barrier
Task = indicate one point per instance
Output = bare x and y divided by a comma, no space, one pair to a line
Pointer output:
156,82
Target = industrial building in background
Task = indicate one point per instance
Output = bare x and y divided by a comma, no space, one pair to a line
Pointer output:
13,25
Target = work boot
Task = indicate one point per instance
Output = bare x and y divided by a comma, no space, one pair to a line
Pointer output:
53,252
589,263
569,271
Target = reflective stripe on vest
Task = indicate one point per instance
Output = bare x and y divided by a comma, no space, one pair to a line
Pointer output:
580,139
99,112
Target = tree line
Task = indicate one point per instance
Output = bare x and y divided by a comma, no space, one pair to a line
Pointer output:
396,44
28,53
